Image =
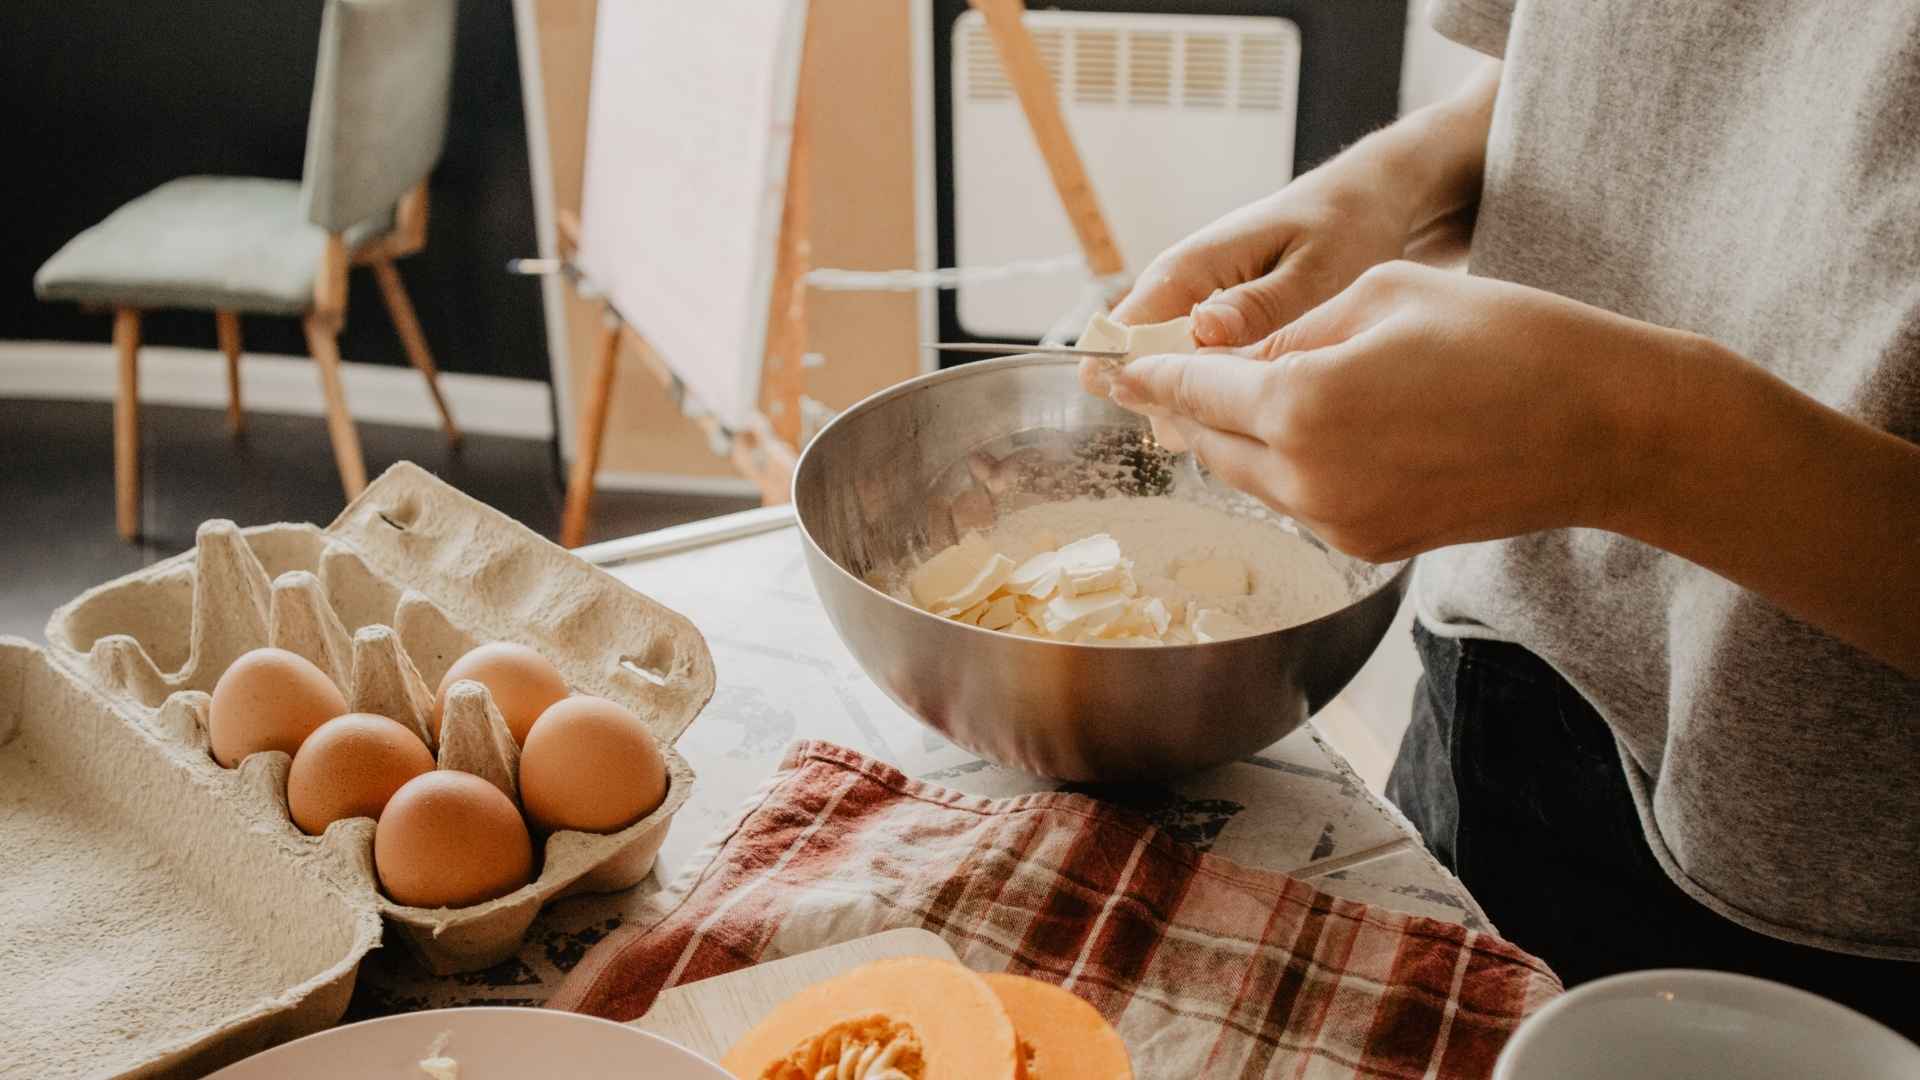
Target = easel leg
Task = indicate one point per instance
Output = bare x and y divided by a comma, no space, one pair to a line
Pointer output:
346,440
226,324
592,432
126,424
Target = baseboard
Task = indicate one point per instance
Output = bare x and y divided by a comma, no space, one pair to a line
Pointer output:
379,394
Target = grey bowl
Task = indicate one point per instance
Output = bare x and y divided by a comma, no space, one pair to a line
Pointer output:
905,472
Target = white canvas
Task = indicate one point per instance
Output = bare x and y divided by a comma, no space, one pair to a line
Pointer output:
688,130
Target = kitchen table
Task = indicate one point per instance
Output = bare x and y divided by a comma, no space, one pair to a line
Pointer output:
783,674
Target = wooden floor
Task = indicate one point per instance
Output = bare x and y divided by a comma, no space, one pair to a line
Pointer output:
56,489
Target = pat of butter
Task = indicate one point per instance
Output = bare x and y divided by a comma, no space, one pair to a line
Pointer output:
1172,336
1000,614
1038,576
1156,614
1068,617
1103,334
1210,625
1150,339
960,577
1214,577
1092,565
1146,618
971,616
1097,579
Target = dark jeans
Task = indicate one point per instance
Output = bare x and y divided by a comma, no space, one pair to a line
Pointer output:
1515,783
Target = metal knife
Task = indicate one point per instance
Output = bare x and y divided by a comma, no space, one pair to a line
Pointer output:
1019,347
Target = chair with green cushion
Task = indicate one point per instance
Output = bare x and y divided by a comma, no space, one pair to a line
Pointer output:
242,245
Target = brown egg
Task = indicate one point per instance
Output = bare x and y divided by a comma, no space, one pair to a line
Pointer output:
521,681
349,767
269,699
590,765
450,839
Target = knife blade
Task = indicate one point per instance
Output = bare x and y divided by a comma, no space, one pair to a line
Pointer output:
1018,347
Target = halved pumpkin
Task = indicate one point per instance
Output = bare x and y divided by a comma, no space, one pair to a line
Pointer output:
1061,1036
906,1018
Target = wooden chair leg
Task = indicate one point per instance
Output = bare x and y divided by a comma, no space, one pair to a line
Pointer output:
126,424
593,430
400,307
346,441
227,326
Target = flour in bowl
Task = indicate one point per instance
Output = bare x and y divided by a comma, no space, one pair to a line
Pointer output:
1129,571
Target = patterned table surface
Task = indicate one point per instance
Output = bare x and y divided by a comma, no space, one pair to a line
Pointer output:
783,674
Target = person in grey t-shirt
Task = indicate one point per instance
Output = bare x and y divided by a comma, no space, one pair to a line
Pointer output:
1657,452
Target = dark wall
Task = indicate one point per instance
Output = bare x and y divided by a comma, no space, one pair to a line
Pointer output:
102,100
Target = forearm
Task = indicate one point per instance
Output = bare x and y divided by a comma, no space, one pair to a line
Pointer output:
1737,471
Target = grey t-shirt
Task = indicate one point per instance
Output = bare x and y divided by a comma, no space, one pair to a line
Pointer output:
1749,170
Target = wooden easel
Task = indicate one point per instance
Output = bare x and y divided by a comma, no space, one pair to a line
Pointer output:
766,449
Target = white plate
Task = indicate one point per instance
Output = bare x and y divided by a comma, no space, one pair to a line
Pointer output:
1668,1025
489,1044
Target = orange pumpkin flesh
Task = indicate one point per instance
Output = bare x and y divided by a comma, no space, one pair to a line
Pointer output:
938,1021
1061,1037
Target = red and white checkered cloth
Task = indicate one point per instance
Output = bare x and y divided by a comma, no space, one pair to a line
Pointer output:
1206,967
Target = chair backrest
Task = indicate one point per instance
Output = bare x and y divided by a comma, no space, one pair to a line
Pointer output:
379,116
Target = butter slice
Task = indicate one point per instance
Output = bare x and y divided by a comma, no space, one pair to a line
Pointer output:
1172,336
1000,614
1152,339
1156,613
1038,576
1103,334
1092,565
971,616
1146,618
959,577
1149,339
1211,625
1214,577
1069,617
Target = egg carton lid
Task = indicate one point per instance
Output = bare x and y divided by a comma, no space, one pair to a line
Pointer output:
130,946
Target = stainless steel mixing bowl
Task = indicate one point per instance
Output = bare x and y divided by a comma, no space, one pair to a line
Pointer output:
907,471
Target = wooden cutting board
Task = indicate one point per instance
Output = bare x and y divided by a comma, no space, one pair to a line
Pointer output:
709,1016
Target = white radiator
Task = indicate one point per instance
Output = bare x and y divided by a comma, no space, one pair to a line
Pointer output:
1179,119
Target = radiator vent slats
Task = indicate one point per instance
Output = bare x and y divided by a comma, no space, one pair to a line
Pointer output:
1115,61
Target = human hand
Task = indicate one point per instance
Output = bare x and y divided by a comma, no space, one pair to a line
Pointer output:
1403,190
1420,408
1263,265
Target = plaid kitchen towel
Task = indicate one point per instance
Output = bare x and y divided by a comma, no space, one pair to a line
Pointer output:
1206,967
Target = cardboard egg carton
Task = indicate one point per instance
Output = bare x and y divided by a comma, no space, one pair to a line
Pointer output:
406,580
147,926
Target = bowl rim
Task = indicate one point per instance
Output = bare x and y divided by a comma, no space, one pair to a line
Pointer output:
1398,569
549,1020
1695,985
